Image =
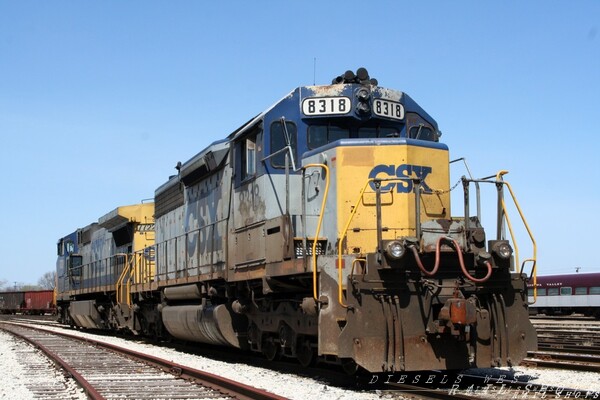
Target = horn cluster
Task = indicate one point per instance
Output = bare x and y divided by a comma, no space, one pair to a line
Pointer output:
361,76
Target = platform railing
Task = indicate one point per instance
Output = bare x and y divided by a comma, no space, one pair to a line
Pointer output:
503,216
533,259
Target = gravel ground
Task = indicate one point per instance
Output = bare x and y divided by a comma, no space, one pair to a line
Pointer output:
285,385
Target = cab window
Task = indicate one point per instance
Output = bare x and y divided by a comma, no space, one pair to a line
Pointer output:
320,135
279,142
377,132
418,128
421,132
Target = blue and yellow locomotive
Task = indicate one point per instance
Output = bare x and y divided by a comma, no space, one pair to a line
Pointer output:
319,230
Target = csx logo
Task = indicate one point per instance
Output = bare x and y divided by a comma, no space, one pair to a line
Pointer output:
406,171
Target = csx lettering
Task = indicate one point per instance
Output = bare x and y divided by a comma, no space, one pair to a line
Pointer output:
403,171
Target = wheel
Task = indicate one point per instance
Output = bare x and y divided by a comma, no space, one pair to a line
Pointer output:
270,349
349,366
305,353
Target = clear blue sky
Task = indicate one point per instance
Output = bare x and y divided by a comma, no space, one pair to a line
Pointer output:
99,100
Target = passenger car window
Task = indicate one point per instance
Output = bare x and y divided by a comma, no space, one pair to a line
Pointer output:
595,290
553,291
580,290
566,291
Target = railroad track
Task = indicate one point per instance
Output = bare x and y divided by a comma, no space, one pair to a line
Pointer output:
106,371
566,344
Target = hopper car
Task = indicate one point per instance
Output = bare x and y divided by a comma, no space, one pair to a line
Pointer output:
33,302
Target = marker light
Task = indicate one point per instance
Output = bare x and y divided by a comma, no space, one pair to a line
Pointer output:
395,249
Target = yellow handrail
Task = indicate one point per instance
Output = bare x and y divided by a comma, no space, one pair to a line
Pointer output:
119,285
316,238
534,258
341,241
345,231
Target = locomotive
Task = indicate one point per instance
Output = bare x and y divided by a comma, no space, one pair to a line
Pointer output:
320,230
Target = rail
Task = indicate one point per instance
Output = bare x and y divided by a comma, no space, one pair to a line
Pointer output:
97,376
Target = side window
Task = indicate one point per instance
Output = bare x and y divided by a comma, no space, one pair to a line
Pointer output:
249,167
580,290
74,264
247,154
540,292
553,291
595,290
279,142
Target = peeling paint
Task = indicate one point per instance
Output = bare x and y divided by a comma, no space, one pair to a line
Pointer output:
389,94
323,91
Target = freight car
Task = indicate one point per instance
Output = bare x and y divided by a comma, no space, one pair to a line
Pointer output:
11,302
32,302
39,302
566,294
319,230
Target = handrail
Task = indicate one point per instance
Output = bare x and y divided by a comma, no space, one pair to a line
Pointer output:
534,258
119,285
345,231
316,238
342,237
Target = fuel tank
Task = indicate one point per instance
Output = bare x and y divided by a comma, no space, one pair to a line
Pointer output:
209,324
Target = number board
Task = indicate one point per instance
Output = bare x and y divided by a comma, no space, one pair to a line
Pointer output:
326,105
388,108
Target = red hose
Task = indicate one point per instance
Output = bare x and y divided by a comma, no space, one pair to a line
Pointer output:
460,259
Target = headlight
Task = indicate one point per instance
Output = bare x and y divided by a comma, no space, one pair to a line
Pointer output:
363,106
395,249
363,95
503,250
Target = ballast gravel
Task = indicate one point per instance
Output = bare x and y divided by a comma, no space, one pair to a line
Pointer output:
13,386
26,373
